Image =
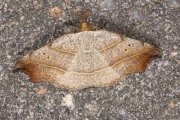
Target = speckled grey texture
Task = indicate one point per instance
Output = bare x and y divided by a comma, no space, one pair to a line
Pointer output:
25,25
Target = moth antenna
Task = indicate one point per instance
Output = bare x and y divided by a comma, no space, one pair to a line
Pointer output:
83,16
84,26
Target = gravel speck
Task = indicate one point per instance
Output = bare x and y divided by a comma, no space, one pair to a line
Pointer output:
122,111
68,101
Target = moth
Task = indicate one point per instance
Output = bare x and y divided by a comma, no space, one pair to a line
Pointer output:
87,59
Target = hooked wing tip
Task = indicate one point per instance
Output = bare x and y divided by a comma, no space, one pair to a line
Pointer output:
17,66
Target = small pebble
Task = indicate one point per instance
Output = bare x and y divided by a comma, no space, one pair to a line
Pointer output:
175,47
55,12
172,105
68,101
22,18
122,111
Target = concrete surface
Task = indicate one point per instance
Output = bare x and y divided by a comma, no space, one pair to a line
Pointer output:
26,25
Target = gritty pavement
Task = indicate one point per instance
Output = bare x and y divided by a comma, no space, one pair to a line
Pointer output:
26,25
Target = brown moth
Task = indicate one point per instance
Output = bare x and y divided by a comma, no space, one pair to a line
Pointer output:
87,59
